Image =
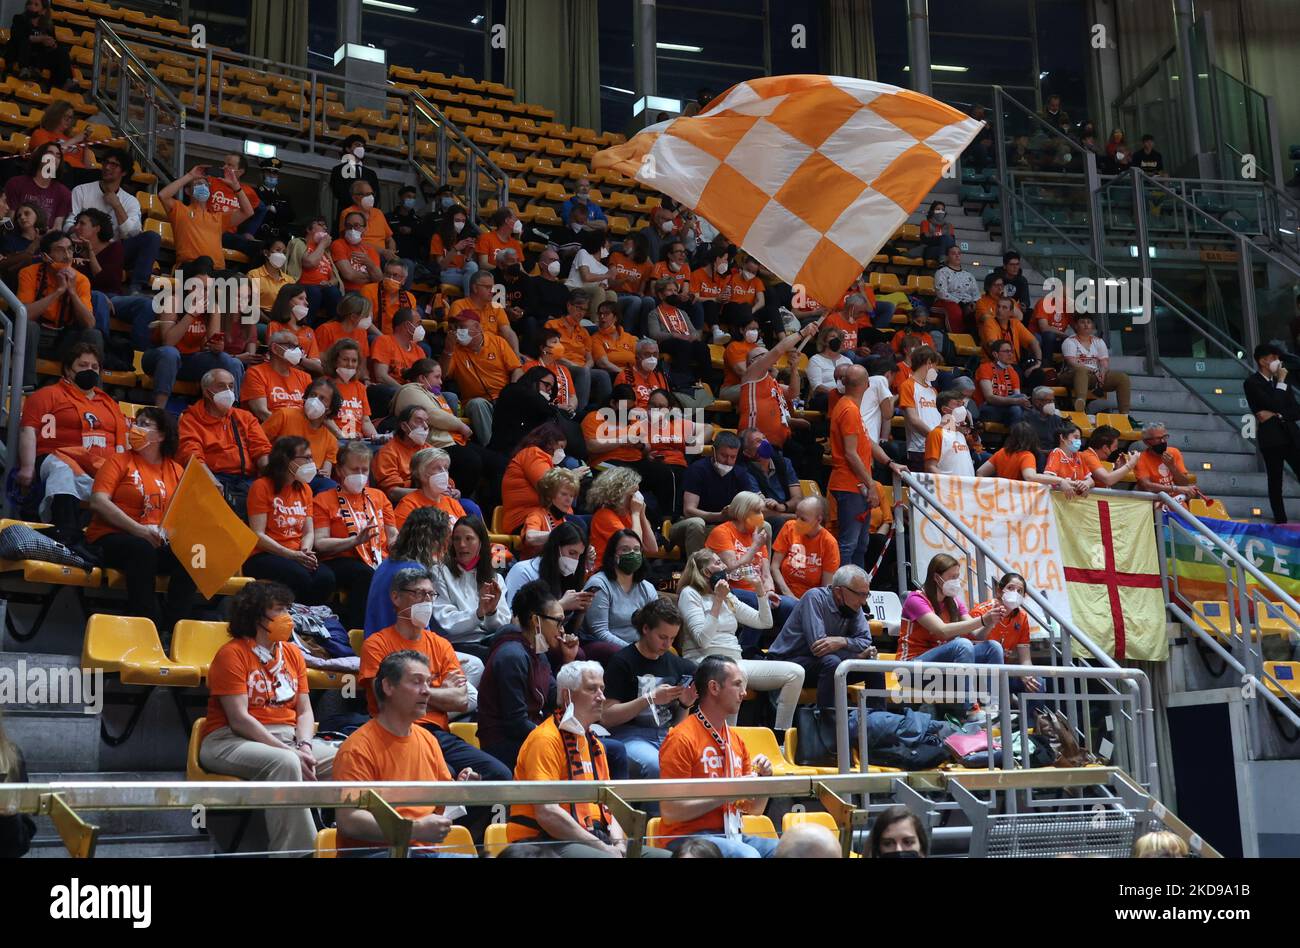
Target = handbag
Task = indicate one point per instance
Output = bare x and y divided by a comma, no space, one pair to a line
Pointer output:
816,746
1055,730
20,542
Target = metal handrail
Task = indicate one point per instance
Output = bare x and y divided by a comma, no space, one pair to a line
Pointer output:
12,367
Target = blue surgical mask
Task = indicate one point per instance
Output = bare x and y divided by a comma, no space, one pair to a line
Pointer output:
271,182
201,193
408,203
1075,444
446,201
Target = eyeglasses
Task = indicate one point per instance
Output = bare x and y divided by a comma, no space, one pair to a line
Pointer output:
558,620
422,595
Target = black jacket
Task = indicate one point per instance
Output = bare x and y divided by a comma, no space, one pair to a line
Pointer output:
1263,394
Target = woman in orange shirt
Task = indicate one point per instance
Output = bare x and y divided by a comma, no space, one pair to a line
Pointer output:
540,451
741,542
280,513
131,494
343,365
56,126
557,492
320,407
432,487
735,359
352,321
629,271
1016,460
451,250
1065,463
1012,631
355,528
613,349
289,314
616,503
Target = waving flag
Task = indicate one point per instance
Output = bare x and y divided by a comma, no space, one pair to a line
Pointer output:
207,537
810,174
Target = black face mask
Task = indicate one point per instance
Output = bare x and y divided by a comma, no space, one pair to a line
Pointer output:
86,379
901,854
716,578
1159,448
848,612
835,344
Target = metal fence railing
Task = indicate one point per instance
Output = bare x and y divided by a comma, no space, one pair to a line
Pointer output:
14,323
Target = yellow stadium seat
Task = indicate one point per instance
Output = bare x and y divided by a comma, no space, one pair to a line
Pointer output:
495,838
467,731
128,646
792,748
162,229
1287,675
1273,618
327,843
357,638
761,740
1211,508
193,769
1080,419
1121,423
964,344
1214,617
819,818
197,643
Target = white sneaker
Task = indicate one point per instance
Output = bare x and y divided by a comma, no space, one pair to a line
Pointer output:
720,338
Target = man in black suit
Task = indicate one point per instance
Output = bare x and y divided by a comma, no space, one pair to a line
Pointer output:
1276,412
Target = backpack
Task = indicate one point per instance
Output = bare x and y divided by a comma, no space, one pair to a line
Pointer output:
912,740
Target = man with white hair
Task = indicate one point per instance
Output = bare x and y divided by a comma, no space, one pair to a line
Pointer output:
830,625
1041,415
227,439
808,841
563,747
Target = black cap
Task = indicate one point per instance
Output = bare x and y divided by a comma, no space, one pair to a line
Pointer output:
271,163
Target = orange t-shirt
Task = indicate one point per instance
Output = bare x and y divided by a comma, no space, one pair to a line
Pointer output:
1012,631
763,406
682,277
726,536
690,751
384,304
373,754
1160,468
745,291
667,437
519,487
342,250
288,512
619,347
65,420
224,201
346,515
417,499
437,251
387,351
604,524
280,391
1011,466
355,405
564,386
846,421
392,467
897,342
485,373
1075,467
212,440
137,488
59,314
1005,381
708,286
196,232
74,156
735,352
540,520
543,757
1014,333
377,232
272,687
986,307
491,244
1090,460
323,272
595,425
491,318
1058,320
442,663
806,558
625,275
292,422
848,330
642,383
334,330
576,339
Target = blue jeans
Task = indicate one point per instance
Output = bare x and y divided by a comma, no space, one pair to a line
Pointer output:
139,312
634,308
1004,414
324,296
642,752
963,651
882,316
100,309
166,365
1050,342
139,254
460,276
854,534
751,638
748,847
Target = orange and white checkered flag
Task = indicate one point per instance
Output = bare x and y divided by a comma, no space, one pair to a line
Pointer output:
810,174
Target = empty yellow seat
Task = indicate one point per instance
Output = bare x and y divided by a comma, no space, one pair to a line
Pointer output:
128,646
193,769
1214,618
467,731
821,819
197,643
1287,675
1121,424
357,638
1276,618
1211,508
761,740
495,838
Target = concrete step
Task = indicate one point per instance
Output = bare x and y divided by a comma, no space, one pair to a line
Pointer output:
122,822
156,846
1206,368
55,740
1244,507
43,682
1179,401
1242,484
1221,461
1208,442
1181,420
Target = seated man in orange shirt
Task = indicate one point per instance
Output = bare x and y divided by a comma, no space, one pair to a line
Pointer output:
224,200
504,229
387,296
481,365
1024,345
391,747
276,383
357,263
478,303
376,232
852,321
593,388
196,230
1052,323
58,302
227,439
1161,468
986,307
805,554
393,354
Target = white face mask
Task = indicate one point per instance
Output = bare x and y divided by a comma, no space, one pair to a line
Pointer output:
569,721
666,227
463,336
439,481
1011,599
419,435
674,266
459,226
356,483
723,469
539,643
568,566
839,386
352,236
1049,409
276,259
604,252
306,473
1274,366
418,334
558,457
313,408
751,274
365,323
301,310
959,415
649,363
952,588
930,375
293,356
358,152
368,201
553,268
224,398
421,613
722,267
518,228
345,374
751,335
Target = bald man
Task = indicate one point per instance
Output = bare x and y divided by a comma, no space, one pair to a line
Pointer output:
808,841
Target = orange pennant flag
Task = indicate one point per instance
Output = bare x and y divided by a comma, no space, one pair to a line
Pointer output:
207,537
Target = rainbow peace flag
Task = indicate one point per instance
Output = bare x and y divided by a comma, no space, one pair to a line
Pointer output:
1274,550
